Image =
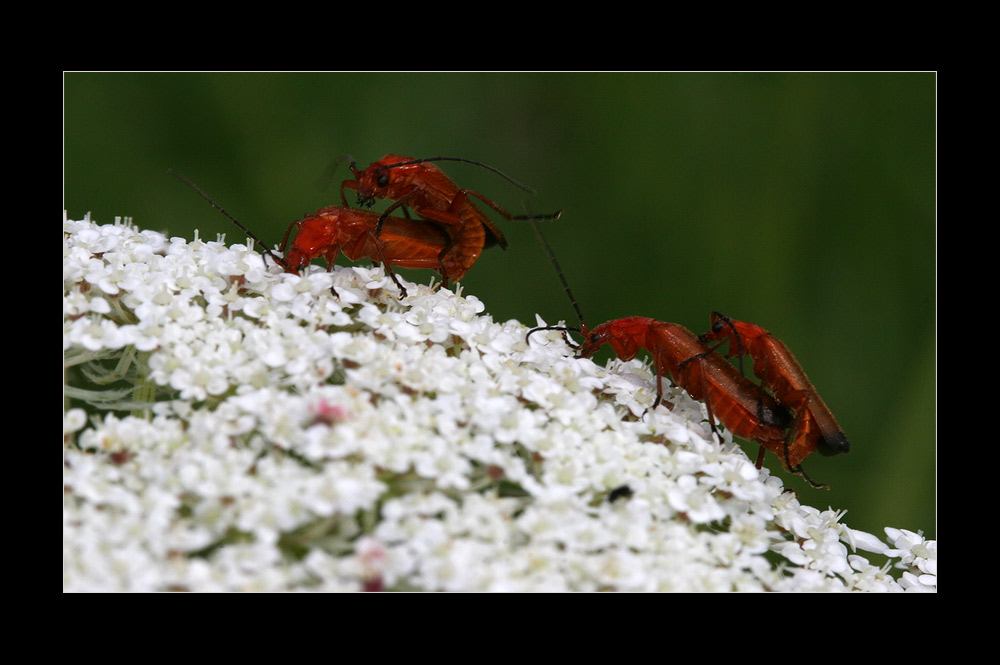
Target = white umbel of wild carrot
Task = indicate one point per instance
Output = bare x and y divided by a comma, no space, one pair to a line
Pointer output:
232,427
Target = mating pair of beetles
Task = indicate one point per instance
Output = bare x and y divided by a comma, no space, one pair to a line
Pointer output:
784,414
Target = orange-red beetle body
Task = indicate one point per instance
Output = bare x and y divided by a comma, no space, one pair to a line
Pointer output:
814,427
732,399
403,243
425,189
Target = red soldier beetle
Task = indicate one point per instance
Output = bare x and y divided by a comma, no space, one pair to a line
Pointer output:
404,243
731,399
742,406
813,427
424,188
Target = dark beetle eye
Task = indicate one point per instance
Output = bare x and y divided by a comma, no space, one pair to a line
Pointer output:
383,179
595,338
717,326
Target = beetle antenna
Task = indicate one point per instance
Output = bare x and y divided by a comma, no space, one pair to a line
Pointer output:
559,273
225,212
461,159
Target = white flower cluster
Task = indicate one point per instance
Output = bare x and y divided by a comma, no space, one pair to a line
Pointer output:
233,427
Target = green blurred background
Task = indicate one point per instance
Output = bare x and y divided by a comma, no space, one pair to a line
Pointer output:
802,202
